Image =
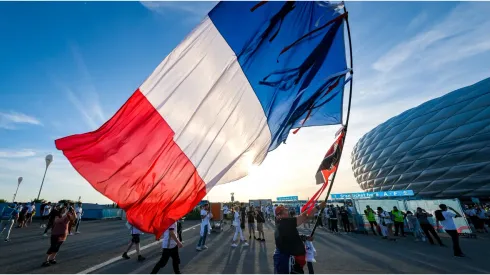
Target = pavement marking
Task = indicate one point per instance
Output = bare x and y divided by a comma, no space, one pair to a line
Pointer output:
115,259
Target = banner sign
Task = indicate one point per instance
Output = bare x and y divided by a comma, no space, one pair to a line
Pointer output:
289,198
382,194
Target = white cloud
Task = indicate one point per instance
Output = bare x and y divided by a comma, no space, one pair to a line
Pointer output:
17,154
11,119
418,20
193,11
61,182
83,96
453,39
429,64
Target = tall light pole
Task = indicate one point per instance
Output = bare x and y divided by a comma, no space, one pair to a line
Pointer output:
232,198
19,180
48,159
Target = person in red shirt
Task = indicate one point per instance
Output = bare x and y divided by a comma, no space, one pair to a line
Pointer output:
59,233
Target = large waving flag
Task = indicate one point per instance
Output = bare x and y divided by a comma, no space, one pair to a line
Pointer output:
228,94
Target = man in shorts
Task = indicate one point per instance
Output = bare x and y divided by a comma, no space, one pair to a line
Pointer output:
135,239
259,215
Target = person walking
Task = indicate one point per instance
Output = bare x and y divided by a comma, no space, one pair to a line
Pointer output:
9,217
426,226
205,217
170,249
238,229
51,217
21,221
58,235
79,213
135,239
45,214
445,219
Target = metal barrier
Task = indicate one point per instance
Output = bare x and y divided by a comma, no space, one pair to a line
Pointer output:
411,205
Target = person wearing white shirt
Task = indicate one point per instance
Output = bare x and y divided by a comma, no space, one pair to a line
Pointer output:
386,224
310,256
31,210
79,213
238,229
267,212
445,219
170,246
205,217
45,214
135,239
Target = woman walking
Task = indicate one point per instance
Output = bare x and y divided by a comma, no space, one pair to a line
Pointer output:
238,229
58,234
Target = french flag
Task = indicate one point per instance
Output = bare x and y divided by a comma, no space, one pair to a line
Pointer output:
216,105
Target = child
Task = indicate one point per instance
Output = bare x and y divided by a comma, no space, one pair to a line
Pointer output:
310,256
135,239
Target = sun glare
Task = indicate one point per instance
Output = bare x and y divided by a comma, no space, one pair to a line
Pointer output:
253,169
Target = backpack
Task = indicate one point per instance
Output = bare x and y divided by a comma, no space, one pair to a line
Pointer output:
439,215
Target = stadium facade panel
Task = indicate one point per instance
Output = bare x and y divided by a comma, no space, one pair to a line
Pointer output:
439,149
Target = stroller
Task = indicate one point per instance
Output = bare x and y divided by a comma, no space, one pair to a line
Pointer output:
217,221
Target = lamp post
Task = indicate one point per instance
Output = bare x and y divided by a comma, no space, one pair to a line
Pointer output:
19,180
48,159
232,198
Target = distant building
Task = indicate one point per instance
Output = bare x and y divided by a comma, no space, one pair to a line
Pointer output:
438,149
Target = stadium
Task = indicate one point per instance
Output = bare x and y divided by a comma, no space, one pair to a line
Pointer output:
439,149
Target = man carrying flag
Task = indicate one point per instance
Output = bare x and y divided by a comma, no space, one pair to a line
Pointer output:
289,243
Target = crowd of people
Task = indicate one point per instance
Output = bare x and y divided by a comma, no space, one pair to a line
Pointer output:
293,250
60,218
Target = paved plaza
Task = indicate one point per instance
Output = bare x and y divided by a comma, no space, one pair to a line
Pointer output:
99,247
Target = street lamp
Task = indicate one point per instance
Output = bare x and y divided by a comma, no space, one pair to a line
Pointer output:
48,159
19,180
232,198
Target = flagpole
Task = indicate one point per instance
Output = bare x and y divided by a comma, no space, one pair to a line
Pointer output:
346,120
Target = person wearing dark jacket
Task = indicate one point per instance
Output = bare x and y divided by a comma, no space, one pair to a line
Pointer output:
288,241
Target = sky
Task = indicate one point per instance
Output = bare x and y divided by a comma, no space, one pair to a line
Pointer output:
66,68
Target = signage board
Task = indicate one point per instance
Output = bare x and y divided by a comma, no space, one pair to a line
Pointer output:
288,198
382,194
263,202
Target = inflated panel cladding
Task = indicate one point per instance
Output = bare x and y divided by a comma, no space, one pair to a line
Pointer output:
438,149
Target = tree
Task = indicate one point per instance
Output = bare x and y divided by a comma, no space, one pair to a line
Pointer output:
2,201
66,202
38,200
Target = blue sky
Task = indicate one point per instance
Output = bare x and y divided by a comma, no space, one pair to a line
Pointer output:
66,67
